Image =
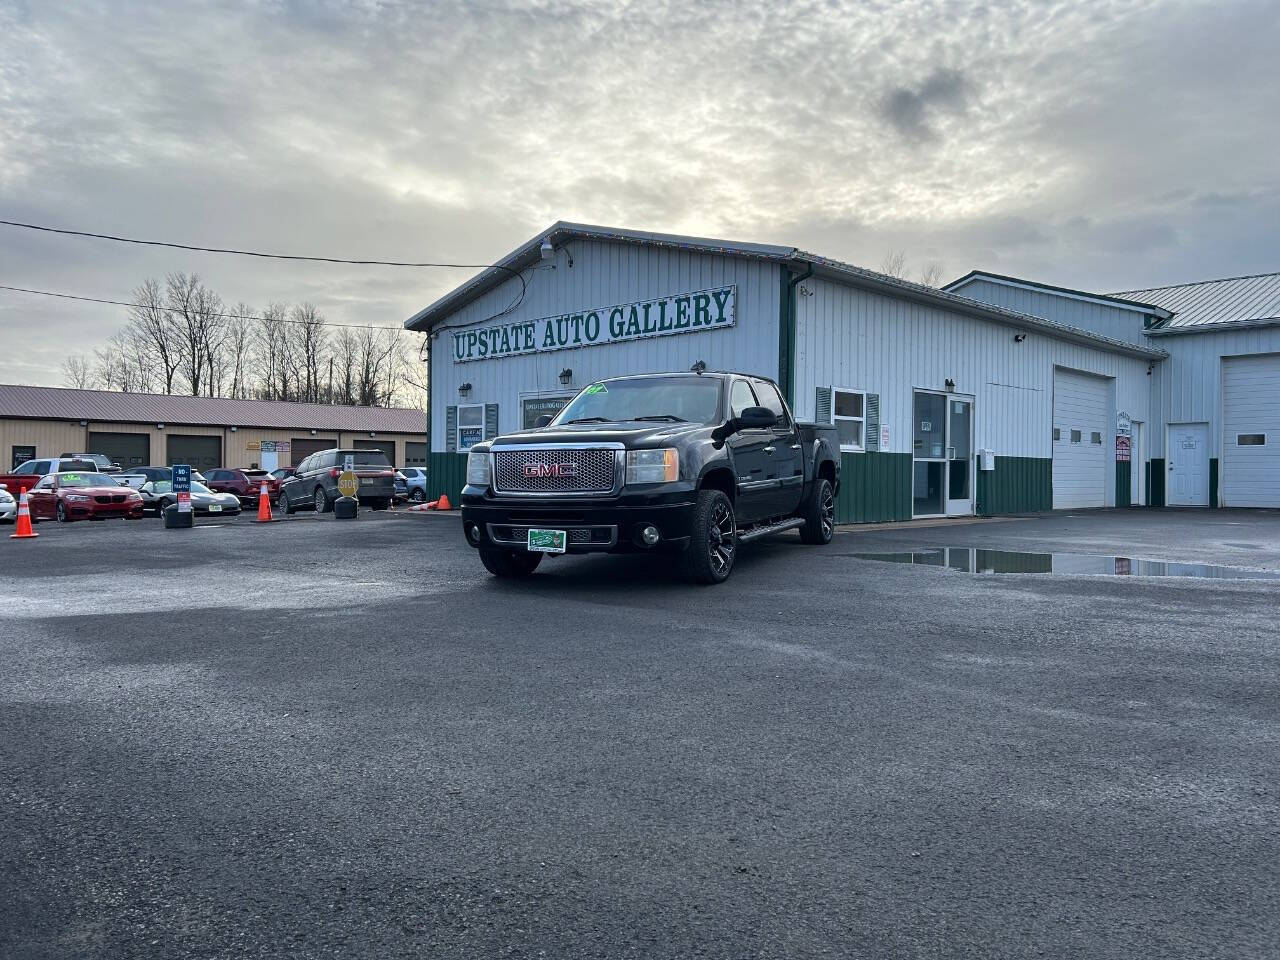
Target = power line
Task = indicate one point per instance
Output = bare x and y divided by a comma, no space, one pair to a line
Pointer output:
225,316
251,253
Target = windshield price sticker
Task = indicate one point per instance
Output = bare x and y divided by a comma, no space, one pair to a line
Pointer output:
547,541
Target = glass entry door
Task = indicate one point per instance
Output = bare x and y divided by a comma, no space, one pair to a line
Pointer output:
959,457
942,474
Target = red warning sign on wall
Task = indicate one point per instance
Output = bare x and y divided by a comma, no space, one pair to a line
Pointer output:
1122,449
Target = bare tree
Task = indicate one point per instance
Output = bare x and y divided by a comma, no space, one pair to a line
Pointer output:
309,337
198,316
77,371
237,346
152,327
125,363
931,274
894,264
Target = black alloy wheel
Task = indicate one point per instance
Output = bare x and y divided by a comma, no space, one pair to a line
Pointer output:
714,546
819,515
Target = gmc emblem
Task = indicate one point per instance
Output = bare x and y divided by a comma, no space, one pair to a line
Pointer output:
533,471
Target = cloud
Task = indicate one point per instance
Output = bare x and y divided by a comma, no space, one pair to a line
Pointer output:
1105,146
909,110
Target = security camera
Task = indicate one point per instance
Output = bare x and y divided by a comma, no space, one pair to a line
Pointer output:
1019,337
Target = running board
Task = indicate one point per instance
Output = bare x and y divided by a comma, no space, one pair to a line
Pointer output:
755,533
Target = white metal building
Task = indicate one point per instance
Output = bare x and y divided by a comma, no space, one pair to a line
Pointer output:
1214,439
919,381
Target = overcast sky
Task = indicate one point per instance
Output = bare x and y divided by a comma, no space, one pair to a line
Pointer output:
1105,145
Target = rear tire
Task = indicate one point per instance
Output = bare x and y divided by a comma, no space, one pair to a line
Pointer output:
819,515
713,548
509,564
417,495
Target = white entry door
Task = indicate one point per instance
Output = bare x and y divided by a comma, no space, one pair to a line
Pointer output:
1188,465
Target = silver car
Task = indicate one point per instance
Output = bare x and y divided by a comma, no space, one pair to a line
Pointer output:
8,505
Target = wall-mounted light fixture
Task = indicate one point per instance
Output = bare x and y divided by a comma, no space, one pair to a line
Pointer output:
699,366
547,250
159,426
951,384
84,423
1150,367
234,429
313,433
464,389
565,376
372,434
1019,337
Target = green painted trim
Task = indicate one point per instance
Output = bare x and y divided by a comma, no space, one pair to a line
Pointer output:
786,334
874,487
1016,485
1155,486
1124,483
446,473
1213,481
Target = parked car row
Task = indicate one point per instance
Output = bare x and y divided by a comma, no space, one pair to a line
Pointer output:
75,489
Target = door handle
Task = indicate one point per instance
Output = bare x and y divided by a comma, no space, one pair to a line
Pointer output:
769,449
795,446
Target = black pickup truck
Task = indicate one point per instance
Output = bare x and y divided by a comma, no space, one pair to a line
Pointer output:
693,464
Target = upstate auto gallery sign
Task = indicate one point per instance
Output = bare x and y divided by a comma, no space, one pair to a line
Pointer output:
684,313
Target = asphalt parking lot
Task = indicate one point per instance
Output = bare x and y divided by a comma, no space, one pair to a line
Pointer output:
326,739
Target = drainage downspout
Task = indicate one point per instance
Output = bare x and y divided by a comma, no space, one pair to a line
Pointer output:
787,331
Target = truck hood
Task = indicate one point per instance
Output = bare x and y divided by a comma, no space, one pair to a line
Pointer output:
630,433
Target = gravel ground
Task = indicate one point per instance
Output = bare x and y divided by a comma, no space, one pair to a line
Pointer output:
318,739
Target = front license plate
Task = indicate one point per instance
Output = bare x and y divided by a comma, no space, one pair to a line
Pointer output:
547,541
215,508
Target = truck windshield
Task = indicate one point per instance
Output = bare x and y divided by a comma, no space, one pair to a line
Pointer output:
694,399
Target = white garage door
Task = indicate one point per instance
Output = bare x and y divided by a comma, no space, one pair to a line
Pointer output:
1251,431
1079,440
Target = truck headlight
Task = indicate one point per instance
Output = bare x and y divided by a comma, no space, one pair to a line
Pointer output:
478,468
653,466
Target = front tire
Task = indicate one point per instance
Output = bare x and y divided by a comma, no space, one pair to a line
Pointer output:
819,515
509,564
713,548
322,501
283,505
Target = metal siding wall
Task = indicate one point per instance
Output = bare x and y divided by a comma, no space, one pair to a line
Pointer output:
852,338
1100,318
1190,385
604,274
49,437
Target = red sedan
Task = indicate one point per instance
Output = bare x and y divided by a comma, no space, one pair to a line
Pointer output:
82,496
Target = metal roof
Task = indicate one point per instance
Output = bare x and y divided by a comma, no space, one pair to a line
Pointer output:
59,403
1235,301
795,258
1114,300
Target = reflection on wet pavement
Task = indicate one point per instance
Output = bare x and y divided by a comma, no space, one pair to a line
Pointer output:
978,560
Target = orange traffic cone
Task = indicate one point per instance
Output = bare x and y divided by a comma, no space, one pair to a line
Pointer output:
433,504
443,503
24,520
264,505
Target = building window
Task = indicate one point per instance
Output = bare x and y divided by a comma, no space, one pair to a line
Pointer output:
1251,440
470,425
1095,437
1075,436
531,408
849,411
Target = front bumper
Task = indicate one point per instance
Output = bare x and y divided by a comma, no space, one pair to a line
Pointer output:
8,510
103,511
604,525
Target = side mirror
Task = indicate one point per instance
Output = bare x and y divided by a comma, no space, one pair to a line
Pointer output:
757,418
543,421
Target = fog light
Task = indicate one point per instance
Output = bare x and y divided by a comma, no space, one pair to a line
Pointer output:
473,532
650,535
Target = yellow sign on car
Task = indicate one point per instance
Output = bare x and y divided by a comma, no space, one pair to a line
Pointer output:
348,483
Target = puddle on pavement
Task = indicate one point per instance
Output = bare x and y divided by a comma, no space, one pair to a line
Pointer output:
977,560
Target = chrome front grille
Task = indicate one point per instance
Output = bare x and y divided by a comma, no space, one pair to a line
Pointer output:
555,470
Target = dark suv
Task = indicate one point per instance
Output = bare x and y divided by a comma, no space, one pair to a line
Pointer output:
315,480
245,484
